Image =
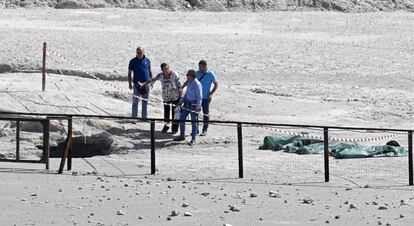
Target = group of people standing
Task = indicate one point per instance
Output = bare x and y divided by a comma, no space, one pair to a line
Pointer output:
200,88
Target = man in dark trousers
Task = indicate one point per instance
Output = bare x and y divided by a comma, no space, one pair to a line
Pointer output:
191,103
206,78
140,67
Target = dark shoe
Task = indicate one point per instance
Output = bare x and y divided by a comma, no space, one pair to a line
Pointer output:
204,133
165,129
179,138
192,142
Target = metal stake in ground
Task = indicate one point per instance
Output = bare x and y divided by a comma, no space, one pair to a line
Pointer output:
44,67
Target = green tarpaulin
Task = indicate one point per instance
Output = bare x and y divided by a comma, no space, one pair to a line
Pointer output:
341,150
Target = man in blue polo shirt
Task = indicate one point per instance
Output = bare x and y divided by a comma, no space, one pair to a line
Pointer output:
140,66
206,78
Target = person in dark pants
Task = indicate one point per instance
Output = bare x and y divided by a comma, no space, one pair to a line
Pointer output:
171,93
140,67
206,78
191,102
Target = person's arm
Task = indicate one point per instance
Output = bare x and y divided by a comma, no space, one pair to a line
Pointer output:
215,87
199,96
152,80
183,86
130,78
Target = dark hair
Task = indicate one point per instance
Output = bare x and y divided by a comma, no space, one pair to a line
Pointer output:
163,65
203,62
191,73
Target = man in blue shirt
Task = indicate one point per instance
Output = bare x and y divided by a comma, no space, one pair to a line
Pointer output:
206,78
192,105
140,66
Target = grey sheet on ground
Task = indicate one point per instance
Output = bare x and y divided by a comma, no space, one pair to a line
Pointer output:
340,150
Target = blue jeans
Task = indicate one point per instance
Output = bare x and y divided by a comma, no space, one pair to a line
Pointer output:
194,119
135,101
206,110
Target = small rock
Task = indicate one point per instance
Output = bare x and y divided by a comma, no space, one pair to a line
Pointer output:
168,218
227,225
23,200
140,218
253,195
261,218
170,179
188,214
120,213
352,206
127,185
205,194
383,207
174,213
308,200
74,173
184,204
33,195
234,209
337,217
401,216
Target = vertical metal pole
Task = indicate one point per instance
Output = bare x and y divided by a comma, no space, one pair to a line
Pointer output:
71,143
326,153
46,142
17,140
240,144
152,147
410,158
44,67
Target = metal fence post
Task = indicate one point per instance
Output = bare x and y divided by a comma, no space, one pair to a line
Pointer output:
46,149
44,67
70,134
17,140
152,147
326,153
240,144
410,158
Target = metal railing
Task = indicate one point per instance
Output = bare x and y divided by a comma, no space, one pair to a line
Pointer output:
239,125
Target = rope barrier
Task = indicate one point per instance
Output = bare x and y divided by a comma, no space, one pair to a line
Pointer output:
310,136
51,52
117,87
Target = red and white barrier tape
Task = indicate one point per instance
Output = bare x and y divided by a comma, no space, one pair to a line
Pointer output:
365,139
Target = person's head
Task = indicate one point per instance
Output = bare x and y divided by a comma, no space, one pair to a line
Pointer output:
140,52
202,65
191,75
165,68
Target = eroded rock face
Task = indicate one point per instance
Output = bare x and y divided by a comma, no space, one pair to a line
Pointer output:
222,5
5,68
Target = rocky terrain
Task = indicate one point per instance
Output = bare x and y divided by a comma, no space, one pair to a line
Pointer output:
223,5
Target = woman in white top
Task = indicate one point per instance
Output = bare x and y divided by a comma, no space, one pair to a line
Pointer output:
171,94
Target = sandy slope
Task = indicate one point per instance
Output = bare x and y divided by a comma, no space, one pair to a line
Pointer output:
319,68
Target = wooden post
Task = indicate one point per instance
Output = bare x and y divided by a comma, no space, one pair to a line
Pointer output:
17,140
70,148
240,148
326,153
46,149
410,158
152,147
66,148
44,67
